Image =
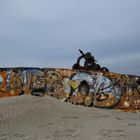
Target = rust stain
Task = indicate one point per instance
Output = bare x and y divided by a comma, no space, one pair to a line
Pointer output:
85,87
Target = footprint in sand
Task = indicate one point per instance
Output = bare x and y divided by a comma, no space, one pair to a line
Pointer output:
70,117
16,136
67,133
113,133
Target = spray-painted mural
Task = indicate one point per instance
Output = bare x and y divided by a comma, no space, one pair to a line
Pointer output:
88,88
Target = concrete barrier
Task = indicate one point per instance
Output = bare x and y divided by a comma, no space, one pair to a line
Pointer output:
89,88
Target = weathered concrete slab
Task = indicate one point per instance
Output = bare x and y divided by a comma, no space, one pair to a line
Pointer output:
89,88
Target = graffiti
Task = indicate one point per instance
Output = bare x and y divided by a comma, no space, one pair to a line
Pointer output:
89,88
1,80
94,86
21,81
53,82
33,81
2,83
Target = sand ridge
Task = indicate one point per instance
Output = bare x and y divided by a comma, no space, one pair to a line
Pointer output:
45,118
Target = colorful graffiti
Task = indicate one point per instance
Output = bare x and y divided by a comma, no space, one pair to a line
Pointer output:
21,81
88,88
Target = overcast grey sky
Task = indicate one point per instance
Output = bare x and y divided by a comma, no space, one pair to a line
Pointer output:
48,33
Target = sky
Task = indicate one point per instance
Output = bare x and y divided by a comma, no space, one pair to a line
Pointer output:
48,33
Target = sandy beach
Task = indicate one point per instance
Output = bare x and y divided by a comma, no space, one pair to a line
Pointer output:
46,118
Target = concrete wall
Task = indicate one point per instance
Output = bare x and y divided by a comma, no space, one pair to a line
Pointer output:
109,90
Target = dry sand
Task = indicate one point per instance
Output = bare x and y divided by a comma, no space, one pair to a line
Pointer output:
46,118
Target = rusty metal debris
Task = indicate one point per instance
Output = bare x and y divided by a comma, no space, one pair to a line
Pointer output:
78,86
89,64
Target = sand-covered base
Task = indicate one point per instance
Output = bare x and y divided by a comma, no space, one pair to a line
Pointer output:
46,118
